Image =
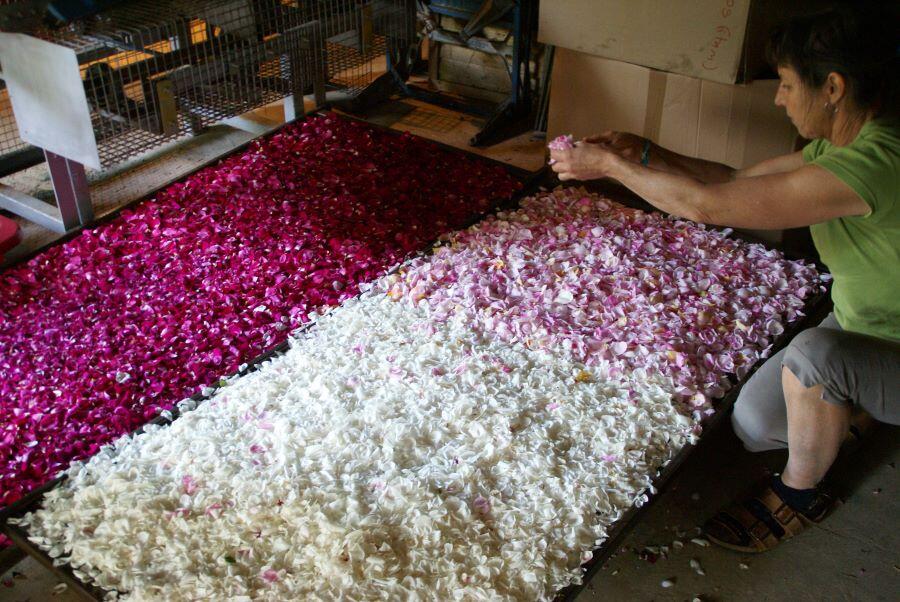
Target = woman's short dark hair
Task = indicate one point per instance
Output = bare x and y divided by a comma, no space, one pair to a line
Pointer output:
860,43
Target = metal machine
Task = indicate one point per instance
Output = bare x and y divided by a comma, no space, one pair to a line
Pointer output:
518,17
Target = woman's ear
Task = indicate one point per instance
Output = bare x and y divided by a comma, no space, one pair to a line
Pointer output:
835,87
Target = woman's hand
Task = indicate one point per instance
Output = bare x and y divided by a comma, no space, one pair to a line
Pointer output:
585,162
628,146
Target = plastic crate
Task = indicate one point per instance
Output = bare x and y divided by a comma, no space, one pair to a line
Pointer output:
9,235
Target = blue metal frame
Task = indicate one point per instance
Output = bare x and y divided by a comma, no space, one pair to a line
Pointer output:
463,10
512,112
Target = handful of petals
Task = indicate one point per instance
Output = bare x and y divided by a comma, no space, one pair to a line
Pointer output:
563,142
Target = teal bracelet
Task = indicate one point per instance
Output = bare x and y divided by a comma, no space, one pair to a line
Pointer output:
645,154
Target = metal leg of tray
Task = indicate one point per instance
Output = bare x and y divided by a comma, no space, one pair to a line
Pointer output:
73,198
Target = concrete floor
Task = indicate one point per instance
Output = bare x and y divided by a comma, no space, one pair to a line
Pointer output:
854,555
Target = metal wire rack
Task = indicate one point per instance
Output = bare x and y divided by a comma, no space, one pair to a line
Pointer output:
154,71
157,70
9,131
12,147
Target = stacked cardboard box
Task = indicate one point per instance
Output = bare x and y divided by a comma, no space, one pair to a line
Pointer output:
718,40
680,73
735,124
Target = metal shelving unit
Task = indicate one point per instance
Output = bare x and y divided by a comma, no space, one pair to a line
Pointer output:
509,117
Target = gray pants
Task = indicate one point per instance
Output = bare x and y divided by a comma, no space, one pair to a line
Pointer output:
855,369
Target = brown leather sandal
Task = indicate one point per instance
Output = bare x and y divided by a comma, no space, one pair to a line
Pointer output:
762,521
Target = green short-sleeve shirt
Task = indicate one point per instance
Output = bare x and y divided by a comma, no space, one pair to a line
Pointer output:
863,252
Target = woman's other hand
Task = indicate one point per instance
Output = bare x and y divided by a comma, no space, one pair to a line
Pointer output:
628,146
586,161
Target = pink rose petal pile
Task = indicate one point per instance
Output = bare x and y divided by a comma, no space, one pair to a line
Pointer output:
101,333
617,287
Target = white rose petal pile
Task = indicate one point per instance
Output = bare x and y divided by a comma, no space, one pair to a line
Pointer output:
451,434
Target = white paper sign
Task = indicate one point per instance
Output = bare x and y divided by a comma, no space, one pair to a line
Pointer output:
48,97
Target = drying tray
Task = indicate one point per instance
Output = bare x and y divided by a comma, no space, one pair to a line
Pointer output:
815,310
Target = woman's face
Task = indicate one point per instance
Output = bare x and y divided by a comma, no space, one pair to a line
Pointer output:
805,107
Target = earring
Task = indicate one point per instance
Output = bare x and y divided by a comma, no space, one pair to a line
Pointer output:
831,107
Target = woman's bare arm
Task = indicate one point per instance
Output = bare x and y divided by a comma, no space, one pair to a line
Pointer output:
630,147
782,164
789,199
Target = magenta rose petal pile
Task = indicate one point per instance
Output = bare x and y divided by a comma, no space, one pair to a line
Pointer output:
101,333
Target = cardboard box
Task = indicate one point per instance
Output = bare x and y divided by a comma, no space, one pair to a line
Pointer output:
719,40
738,125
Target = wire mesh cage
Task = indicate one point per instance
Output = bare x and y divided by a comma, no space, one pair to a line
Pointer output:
357,33
156,70
9,131
10,142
